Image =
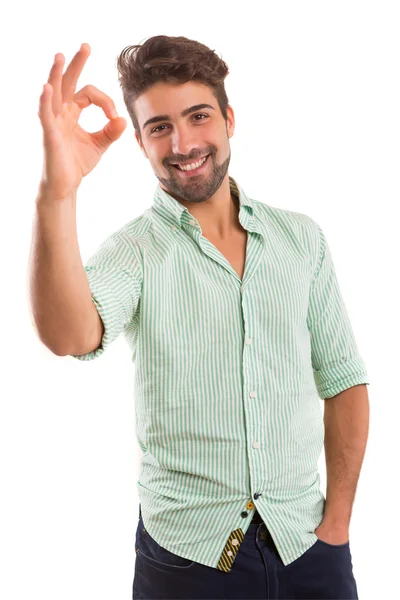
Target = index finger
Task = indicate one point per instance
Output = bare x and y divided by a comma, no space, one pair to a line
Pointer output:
72,73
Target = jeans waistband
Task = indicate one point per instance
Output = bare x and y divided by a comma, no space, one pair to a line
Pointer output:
257,518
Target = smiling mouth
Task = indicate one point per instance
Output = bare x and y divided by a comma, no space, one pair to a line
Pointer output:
192,171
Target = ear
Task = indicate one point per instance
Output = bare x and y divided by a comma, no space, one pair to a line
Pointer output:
230,123
140,144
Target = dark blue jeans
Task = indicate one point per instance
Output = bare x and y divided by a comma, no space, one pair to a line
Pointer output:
323,571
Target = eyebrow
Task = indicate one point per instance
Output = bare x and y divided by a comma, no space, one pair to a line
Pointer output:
185,112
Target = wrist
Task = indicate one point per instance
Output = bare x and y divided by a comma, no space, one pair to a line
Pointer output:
48,197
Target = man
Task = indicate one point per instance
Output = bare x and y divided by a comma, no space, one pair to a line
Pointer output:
237,327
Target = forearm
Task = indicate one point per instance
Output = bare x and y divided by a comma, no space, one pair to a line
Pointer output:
59,293
346,419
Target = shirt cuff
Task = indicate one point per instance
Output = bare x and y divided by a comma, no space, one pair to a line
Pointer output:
340,376
111,313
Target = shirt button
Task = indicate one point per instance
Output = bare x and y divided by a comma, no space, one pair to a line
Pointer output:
252,394
249,341
192,222
235,542
256,445
230,553
173,227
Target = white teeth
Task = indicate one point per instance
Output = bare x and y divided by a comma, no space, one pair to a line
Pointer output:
193,165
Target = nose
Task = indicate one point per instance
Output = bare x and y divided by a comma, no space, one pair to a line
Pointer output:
183,141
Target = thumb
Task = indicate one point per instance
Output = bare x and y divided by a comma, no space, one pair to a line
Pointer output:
111,132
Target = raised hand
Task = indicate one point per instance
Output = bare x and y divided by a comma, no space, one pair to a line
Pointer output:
70,152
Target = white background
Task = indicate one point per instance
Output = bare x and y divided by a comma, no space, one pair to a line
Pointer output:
315,90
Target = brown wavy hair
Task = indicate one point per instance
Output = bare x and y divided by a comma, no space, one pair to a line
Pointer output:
172,59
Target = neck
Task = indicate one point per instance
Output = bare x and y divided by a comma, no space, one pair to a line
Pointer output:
219,215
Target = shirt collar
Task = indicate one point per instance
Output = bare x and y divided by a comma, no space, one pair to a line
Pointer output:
177,214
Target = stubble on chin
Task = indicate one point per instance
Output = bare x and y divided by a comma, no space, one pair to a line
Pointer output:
197,191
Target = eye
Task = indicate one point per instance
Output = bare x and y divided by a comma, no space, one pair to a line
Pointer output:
154,130
201,115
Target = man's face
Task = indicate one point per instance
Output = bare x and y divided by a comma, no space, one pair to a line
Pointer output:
187,138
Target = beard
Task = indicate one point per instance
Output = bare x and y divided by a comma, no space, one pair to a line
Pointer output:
198,188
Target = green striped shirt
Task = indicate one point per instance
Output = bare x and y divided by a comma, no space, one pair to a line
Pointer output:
229,372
